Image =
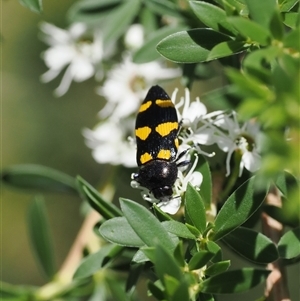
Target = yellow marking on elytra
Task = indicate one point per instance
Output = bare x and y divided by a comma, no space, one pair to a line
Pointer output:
143,132
164,103
145,106
166,128
145,158
176,142
164,154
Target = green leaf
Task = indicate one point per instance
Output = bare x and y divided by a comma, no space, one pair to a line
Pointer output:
40,236
286,182
34,5
248,85
212,247
171,284
195,208
252,245
165,264
206,297
289,244
181,292
292,40
145,225
164,8
234,281
261,11
178,254
199,260
213,17
283,215
251,30
238,208
124,13
226,48
190,46
276,26
140,257
147,52
92,263
156,290
290,19
136,269
117,230
217,268
91,11
37,177
287,5
206,186
257,63
178,229
94,198
161,215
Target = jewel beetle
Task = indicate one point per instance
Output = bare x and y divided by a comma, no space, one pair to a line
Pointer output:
156,131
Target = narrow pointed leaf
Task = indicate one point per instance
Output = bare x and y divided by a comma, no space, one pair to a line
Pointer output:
145,225
206,186
192,46
238,208
289,244
156,290
161,215
39,178
195,208
135,272
252,245
234,281
286,182
147,52
181,292
217,268
94,198
124,13
212,247
165,264
206,297
179,229
199,260
34,5
92,263
117,230
41,237
261,11
213,17
250,29
226,49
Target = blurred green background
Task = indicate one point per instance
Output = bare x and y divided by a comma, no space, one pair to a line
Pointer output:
41,129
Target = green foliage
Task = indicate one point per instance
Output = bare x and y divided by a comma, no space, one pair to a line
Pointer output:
38,178
41,240
255,44
34,5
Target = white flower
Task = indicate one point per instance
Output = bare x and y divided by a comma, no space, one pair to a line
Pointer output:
134,37
192,115
231,137
70,48
128,83
110,144
193,177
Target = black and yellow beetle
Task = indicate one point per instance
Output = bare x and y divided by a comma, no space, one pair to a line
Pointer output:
156,131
